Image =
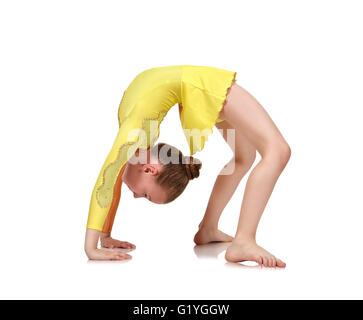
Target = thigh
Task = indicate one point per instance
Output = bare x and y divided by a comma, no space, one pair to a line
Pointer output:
249,118
244,151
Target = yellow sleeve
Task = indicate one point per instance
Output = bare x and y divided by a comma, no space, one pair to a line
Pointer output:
107,190
133,133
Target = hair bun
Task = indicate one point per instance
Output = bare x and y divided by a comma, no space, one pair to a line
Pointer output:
192,167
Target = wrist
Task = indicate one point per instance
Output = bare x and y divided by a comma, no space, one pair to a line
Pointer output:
105,235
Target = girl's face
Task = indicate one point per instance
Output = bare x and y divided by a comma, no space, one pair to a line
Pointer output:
141,180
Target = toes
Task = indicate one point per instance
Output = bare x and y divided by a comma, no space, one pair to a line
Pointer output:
274,261
259,260
265,261
268,262
280,263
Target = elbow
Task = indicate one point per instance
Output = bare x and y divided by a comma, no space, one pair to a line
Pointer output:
88,248
91,242
89,252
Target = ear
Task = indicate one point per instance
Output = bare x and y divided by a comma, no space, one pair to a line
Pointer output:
150,169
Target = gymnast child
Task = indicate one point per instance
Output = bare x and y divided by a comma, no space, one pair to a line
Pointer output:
207,97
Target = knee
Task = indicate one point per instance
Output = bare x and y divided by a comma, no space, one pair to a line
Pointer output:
280,153
285,154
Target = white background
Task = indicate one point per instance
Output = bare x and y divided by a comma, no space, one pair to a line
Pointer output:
64,66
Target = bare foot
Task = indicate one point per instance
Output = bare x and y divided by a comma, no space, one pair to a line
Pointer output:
207,235
250,251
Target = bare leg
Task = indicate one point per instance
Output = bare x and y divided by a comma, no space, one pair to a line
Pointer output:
224,187
246,115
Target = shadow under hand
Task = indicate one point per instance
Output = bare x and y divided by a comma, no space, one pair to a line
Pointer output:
210,250
108,261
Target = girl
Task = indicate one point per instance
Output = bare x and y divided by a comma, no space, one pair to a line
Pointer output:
207,97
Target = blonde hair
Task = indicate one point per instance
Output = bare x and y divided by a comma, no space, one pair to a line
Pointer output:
176,174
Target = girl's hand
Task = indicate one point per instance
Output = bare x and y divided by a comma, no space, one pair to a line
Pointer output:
108,242
99,254
93,253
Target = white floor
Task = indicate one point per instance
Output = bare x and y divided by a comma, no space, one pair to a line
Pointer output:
162,270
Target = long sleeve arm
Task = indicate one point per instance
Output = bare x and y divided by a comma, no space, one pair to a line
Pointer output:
107,191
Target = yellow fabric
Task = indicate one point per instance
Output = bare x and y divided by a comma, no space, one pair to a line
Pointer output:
201,91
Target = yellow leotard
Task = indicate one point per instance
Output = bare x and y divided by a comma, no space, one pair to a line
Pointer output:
200,92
